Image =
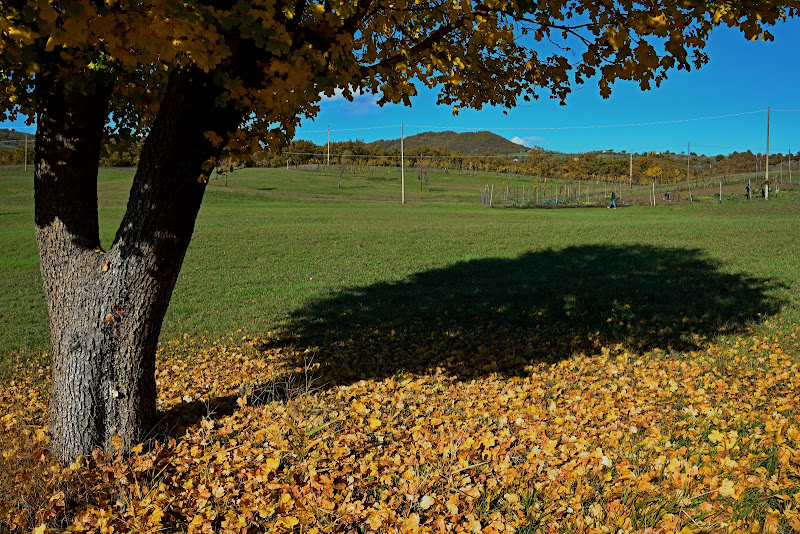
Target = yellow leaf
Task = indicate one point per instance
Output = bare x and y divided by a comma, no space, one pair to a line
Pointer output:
716,436
116,441
40,529
771,524
288,522
726,489
426,502
374,422
411,524
155,517
272,463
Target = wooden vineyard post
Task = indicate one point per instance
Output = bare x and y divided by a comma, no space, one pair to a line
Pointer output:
688,160
420,178
766,167
402,167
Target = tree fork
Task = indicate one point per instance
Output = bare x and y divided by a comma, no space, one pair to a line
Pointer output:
106,309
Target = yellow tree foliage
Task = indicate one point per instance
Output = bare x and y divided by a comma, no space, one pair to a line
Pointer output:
276,59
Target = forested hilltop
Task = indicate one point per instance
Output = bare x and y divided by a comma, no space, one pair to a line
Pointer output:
473,143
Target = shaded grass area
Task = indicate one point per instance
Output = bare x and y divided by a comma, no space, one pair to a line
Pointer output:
467,318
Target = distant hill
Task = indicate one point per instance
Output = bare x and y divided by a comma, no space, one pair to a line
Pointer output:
481,143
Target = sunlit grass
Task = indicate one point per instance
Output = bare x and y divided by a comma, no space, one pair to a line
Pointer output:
275,240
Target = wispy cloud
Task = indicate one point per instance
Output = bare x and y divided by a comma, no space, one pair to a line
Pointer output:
528,141
361,104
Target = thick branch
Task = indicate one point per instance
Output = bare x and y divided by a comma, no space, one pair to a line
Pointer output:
167,189
416,50
68,140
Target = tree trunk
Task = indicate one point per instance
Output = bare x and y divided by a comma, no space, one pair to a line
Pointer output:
106,309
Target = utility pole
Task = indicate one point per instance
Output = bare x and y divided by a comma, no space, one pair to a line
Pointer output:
766,174
790,163
630,172
402,167
26,152
329,146
688,159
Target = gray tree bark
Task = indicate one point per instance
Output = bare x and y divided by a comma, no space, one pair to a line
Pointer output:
106,308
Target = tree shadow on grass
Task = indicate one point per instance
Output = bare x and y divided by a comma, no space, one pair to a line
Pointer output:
503,315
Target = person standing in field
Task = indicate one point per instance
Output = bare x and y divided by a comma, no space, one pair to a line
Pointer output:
613,200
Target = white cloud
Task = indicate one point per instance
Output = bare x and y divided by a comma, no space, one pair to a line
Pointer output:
528,141
361,103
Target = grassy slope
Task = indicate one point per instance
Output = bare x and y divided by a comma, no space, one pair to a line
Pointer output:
273,241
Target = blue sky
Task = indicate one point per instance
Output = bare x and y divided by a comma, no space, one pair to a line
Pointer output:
741,77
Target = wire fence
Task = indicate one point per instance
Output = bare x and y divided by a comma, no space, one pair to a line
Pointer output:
503,189
588,193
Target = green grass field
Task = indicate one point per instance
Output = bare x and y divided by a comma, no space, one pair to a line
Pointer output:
332,359
274,242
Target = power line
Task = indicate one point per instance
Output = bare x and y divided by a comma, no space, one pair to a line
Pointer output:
595,126
353,129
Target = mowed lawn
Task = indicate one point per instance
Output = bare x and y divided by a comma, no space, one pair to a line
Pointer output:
334,360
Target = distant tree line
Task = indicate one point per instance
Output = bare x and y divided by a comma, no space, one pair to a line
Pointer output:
12,147
606,165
